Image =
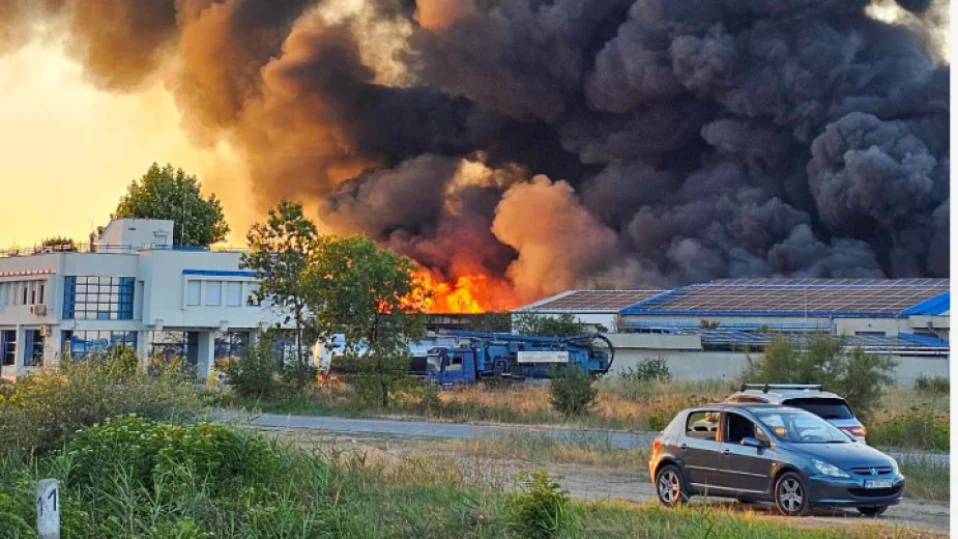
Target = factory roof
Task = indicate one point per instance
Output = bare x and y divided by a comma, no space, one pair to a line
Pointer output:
901,343
589,301
801,297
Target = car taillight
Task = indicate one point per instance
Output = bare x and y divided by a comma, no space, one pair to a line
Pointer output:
855,431
656,444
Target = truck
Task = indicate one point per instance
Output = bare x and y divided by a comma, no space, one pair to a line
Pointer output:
466,357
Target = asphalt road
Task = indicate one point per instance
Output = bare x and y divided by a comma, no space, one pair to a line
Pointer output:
430,429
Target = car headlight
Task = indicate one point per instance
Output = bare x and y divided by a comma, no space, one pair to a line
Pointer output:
825,468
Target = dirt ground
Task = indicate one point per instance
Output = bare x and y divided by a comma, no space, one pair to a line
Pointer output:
919,518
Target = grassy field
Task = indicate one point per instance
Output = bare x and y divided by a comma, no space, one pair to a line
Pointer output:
924,482
130,478
906,418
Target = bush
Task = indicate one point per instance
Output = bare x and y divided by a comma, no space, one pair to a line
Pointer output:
919,428
859,377
254,376
147,450
542,509
51,403
572,391
647,370
934,385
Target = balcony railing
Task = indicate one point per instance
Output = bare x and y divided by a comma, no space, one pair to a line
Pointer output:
112,249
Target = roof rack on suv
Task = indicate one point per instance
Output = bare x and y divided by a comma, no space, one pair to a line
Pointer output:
766,387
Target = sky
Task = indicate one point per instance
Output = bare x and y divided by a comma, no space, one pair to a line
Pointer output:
68,150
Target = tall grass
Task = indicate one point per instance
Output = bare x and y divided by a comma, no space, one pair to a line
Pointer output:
263,489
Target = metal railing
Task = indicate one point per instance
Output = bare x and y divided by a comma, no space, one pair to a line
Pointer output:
112,249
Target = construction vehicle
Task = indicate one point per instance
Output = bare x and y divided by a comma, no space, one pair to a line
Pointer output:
465,357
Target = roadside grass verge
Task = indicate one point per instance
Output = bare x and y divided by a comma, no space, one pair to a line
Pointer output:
907,418
211,481
927,483
587,449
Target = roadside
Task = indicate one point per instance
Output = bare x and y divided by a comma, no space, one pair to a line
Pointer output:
433,429
590,472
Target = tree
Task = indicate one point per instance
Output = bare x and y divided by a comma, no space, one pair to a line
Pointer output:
551,326
165,193
281,249
362,291
855,375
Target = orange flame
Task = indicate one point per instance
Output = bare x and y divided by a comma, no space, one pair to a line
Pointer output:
473,293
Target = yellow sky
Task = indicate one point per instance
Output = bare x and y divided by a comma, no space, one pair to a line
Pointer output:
67,150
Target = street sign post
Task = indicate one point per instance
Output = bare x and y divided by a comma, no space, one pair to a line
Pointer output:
48,509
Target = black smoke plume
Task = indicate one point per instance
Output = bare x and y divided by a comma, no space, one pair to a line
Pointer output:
557,143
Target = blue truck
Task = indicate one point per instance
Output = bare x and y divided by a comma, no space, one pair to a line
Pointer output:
466,357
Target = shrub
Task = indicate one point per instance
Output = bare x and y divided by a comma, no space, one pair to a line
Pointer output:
919,428
254,376
148,450
542,509
936,384
647,370
51,403
855,375
572,391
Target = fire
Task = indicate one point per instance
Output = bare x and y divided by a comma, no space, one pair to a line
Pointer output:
472,293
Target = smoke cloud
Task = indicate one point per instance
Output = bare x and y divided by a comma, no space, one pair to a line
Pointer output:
560,143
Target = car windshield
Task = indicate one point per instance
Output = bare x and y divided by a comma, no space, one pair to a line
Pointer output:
799,426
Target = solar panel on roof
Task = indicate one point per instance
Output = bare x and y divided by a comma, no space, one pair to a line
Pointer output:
594,300
816,297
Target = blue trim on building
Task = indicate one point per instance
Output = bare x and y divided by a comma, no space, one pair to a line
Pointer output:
923,340
932,306
219,273
814,314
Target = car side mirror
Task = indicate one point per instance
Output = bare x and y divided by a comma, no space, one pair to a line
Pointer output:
748,441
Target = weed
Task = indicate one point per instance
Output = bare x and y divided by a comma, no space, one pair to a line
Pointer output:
541,509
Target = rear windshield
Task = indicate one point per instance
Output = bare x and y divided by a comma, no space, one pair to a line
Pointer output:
823,408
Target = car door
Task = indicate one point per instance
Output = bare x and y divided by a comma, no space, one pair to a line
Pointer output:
743,469
700,447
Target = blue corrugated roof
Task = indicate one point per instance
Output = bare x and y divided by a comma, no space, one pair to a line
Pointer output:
932,306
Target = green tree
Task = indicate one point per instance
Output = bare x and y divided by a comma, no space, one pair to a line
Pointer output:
552,326
57,241
362,291
855,375
168,193
281,249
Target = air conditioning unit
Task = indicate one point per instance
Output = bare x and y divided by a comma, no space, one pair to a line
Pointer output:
39,310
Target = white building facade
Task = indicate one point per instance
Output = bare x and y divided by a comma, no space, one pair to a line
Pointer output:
131,288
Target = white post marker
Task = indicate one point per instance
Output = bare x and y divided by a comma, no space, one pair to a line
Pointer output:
48,509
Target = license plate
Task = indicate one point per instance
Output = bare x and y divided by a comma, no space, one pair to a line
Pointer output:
878,483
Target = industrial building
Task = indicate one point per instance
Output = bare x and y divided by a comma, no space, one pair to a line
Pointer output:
709,330
131,287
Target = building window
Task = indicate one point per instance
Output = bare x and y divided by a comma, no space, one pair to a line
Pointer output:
214,293
8,347
234,293
79,344
42,293
230,345
98,298
171,345
252,300
33,348
25,292
192,293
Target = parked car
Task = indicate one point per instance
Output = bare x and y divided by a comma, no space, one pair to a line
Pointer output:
809,397
771,453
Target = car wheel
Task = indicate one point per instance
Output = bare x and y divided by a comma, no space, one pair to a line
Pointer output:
791,496
670,486
873,511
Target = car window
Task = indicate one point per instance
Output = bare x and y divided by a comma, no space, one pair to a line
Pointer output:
824,408
703,425
738,427
799,426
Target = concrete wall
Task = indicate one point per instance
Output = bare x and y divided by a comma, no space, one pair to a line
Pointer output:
702,365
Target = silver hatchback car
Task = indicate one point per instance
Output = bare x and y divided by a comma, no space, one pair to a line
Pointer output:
808,397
